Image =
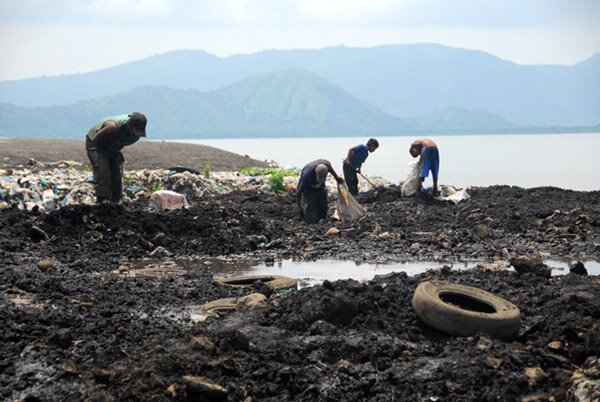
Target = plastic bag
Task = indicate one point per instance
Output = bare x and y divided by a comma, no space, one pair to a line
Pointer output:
452,194
411,181
347,207
162,200
49,200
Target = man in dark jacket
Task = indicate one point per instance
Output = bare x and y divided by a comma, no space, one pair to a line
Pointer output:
103,143
311,190
353,163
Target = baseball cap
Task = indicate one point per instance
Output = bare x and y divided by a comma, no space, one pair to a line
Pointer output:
138,123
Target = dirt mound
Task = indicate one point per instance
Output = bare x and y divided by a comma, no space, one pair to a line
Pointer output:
347,340
142,155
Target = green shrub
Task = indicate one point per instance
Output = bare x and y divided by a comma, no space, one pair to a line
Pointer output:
86,168
206,172
276,181
154,187
259,171
128,181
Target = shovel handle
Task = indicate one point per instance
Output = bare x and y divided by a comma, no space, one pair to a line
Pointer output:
367,179
363,176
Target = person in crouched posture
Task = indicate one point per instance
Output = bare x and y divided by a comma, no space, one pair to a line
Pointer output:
103,144
311,192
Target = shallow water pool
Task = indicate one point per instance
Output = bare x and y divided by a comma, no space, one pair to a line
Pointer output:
310,273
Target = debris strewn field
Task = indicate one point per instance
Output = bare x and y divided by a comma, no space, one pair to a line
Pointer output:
74,327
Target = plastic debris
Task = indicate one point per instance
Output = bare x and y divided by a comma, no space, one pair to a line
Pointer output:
347,207
411,181
26,187
163,200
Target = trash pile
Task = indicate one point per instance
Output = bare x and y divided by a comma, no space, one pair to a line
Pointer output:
50,186
57,184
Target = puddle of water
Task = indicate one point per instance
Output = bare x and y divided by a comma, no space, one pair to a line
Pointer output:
562,267
308,273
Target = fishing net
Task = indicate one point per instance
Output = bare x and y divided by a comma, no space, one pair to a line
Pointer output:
347,207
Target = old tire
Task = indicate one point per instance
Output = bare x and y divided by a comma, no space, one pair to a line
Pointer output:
234,303
464,310
273,282
219,305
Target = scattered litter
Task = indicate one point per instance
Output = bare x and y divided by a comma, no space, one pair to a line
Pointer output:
332,231
452,194
163,200
447,193
50,186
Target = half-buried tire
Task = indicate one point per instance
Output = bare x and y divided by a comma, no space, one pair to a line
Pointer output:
464,310
273,282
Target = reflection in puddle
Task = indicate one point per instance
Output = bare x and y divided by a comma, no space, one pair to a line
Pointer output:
562,267
308,273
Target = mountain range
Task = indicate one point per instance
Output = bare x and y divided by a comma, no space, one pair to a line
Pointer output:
385,90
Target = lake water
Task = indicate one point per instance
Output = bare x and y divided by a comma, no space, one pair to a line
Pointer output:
569,161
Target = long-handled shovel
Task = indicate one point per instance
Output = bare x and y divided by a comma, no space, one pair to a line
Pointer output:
368,180
364,177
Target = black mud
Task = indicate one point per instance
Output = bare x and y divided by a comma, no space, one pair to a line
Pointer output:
74,329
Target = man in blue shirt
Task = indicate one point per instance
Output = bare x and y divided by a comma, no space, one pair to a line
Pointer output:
311,190
353,162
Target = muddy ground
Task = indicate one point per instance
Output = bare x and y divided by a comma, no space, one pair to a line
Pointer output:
73,328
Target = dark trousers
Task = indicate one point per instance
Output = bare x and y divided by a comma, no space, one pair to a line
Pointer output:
351,178
108,171
315,204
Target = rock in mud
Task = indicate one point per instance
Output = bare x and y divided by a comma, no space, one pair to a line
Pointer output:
202,342
577,267
332,231
200,388
161,239
45,264
493,362
524,264
534,374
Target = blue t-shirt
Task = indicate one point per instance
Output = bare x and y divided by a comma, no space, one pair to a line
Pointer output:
308,176
359,155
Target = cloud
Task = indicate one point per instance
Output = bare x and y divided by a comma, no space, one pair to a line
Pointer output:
21,4
136,8
345,10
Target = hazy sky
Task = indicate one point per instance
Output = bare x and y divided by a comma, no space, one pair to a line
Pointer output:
50,37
